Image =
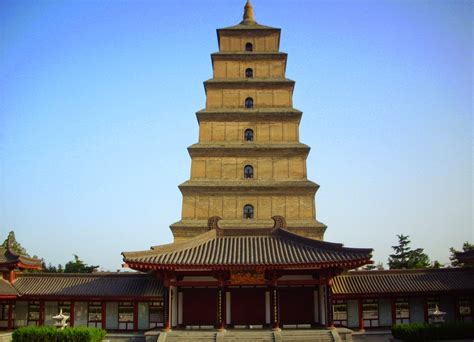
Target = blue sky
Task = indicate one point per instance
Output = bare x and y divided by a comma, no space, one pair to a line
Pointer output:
97,103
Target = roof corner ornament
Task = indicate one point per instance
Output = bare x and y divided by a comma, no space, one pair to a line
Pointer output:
280,222
248,13
213,222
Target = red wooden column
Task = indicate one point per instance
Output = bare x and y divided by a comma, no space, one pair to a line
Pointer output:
361,316
394,314
104,315
41,313
275,307
329,321
221,308
10,316
426,310
135,316
72,314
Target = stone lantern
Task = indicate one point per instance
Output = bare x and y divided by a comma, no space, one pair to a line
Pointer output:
60,320
437,317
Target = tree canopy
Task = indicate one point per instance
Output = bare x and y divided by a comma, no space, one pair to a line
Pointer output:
405,257
454,260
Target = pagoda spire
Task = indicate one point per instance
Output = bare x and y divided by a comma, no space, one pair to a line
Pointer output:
248,14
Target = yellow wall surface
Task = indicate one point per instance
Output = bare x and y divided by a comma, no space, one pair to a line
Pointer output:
261,69
261,43
262,97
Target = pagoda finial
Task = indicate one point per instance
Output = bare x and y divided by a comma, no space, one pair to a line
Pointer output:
248,13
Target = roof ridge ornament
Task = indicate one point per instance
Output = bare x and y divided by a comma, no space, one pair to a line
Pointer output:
248,14
280,222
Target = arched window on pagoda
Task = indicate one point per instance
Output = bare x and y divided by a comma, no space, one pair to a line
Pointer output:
248,211
249,73
248,134
248,171
249,47
248,103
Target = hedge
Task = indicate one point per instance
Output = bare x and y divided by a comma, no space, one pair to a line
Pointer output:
50,334
420,332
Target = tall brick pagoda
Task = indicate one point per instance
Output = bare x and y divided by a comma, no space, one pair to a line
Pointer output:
248,250
249,164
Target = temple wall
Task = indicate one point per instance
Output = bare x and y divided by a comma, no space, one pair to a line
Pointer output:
264,168
112,315
262,97
352,313
143,319
231,207
80,314
417,310
261,69
21,313
266,42
385,312
264,132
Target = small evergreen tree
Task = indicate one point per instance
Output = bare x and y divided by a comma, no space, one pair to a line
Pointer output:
15,245
405,257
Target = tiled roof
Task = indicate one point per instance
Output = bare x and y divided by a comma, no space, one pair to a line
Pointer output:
9,257
89,285
403,282
6,289
223,248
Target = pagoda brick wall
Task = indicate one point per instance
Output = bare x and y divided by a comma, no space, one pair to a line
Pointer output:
217,186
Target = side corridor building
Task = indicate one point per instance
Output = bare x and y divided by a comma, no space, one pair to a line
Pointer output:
248,251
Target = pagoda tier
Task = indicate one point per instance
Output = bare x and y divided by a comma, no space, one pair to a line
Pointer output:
249,163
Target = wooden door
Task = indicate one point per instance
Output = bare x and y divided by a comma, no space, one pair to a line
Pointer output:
296,305
199,306
248,306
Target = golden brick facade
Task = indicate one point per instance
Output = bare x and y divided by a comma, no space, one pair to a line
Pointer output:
278,184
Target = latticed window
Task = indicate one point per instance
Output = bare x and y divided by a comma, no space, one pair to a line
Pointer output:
339,309
94,315
370,313
402,311
248,211
33,313
248,73
156,314
66,307
465,309
248,102
248,134
125,315
248,47
248,171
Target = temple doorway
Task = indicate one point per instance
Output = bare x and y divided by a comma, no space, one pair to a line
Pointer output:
296,305
247,306
199,306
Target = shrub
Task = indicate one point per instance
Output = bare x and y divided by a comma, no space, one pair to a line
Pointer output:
50,334
420,332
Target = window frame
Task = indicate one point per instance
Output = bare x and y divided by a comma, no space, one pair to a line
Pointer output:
465,317
248,175
248,47
249,73
339,321
399,318
371,321
251,215
251,133
97,323
36,321
248,103
126,325
159,305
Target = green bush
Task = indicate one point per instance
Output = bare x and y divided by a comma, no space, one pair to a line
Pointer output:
420,332
50,334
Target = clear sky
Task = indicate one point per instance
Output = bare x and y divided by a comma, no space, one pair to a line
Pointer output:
97,103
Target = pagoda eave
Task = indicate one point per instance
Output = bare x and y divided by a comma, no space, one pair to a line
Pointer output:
243,150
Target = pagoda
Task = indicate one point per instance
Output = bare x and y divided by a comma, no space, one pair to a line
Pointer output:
248,250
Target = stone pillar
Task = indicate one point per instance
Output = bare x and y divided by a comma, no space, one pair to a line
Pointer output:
361,316
275,307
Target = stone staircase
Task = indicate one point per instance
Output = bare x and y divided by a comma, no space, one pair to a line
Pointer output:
231,335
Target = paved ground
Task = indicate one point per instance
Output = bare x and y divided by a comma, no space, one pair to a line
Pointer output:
379,336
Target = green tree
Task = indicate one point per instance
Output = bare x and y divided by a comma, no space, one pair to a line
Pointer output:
78,266
454,260
15,245
373,267
405,257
